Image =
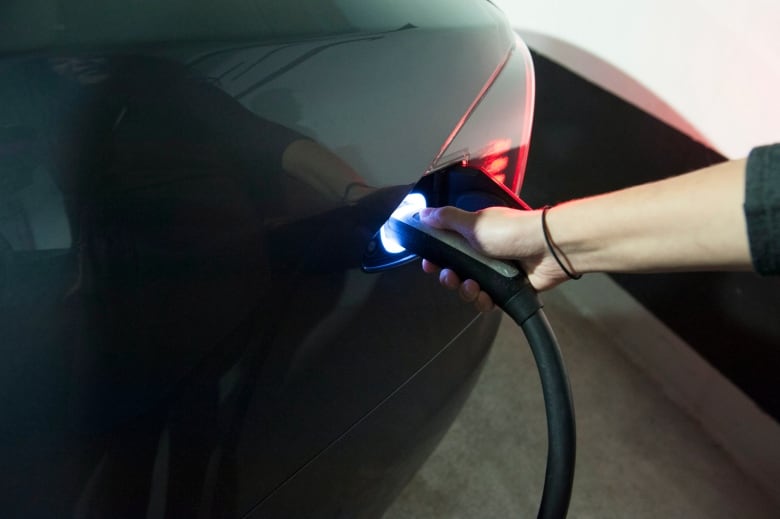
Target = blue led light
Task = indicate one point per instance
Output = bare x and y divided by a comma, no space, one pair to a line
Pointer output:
412,203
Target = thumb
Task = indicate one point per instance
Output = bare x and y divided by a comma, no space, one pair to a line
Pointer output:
449,218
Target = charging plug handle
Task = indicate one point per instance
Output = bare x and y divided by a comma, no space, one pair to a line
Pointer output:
510,289
506,284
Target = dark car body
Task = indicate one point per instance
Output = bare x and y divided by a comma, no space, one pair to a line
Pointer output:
188,191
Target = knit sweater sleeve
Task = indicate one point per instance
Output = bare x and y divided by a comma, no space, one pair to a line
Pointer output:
762,208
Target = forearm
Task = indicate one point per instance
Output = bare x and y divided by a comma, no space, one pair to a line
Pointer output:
690,222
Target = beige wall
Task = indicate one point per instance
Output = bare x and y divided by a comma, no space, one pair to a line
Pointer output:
711,63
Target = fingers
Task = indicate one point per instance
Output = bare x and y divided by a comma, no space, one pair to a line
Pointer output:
448,217
484,303
449,279
468,290
430,268
462,222
471,293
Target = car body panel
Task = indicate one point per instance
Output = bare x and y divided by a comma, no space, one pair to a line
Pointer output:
186,327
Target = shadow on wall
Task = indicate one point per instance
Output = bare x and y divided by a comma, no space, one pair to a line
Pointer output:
587,141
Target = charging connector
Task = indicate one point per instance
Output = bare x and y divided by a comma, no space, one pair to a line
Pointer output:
510,289
506,284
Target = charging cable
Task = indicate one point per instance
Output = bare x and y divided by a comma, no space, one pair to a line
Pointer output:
510,289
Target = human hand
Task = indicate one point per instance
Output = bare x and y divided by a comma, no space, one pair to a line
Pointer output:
499,232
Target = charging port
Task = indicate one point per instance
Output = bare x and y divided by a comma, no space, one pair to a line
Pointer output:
464,187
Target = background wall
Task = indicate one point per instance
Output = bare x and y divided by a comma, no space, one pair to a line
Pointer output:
708,75
710,68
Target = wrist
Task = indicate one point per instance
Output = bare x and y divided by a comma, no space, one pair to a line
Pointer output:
576,234
554,248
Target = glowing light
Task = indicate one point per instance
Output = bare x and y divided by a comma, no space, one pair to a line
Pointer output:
412,203
495,166
493,159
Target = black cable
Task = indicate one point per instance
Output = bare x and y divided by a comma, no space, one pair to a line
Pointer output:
510,289
561,433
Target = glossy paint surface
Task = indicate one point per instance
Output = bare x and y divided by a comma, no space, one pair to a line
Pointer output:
186,331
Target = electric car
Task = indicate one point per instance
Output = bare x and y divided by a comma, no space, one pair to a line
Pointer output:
199,316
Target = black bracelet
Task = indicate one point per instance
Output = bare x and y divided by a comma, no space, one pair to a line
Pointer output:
550,245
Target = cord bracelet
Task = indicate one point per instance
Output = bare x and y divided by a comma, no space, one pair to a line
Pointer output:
551,247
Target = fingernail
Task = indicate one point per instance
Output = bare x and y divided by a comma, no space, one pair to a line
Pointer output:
425,212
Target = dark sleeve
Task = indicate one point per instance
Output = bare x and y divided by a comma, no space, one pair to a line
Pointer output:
762,208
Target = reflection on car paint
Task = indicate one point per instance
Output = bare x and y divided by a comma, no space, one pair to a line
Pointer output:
185,327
